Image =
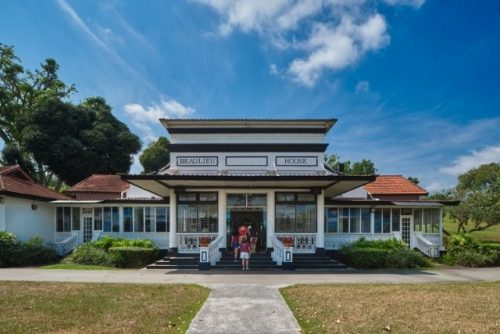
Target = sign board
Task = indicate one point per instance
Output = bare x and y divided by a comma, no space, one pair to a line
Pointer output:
296,161
193,161
246,161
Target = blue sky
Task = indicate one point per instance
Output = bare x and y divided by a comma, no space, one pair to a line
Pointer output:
414,84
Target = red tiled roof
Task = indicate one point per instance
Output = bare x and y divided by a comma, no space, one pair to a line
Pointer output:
14,180
101,183
393,185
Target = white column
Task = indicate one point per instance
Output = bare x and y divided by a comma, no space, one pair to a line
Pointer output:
320,237
372,220
270,218
172,235
222,203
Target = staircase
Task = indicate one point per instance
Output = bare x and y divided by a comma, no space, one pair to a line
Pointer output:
258,261
190,261
313,261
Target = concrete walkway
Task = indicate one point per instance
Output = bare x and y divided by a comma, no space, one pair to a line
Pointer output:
244,308
267,278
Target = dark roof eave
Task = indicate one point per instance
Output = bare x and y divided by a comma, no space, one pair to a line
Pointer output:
32,197
367,178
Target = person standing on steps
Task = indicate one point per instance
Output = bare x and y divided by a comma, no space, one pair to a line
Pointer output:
254,235
235,243
245,253
243,231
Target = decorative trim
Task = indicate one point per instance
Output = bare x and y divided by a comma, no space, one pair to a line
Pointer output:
297,157
211,161
247,156
244,130
319,148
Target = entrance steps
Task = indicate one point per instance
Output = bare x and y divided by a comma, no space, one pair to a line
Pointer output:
179,261
315,261
258,261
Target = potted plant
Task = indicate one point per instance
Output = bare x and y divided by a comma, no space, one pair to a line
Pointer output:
288,241
204,241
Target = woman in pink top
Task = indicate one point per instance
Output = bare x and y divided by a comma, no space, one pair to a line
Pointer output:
245,253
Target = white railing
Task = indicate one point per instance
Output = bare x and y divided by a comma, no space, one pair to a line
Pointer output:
435,238
61,236
280,253
212,254
160,239
335,241
302,242
427,246
96,235
67,245
189,243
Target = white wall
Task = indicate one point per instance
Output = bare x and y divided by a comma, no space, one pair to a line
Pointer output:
136,192
355,193
26,223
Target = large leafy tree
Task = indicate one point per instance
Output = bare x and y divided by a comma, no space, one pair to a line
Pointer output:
478,191
363,167
155,156
75,141
54,140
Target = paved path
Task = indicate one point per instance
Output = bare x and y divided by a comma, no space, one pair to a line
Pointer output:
271,278
244,308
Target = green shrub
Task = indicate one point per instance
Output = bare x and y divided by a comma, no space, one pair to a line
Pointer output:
15,253
392,253
463,250
107,242
88,254
133,257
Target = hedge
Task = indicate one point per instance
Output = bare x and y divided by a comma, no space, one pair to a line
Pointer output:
16,253
464,250
364,254
107,242
133,257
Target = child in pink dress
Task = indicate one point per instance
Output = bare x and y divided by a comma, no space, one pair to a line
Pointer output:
245,253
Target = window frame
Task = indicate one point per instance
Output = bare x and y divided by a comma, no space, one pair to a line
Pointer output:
209,200
289,200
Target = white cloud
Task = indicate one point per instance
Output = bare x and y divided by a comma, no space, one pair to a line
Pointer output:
362,86
143,117
273,69
337,32
476,158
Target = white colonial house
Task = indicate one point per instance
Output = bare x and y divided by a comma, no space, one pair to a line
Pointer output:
268,174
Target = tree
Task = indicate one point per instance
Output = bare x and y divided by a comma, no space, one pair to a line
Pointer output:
479,193
21,92
53,139
75,141
155,156
414,179
363,167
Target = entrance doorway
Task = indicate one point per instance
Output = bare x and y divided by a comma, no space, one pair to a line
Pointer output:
406,229
87,218
253,218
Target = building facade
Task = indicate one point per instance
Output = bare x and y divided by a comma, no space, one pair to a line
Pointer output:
267,174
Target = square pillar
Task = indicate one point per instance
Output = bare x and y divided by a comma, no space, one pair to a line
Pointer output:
270,228
320,216
172,235
222,226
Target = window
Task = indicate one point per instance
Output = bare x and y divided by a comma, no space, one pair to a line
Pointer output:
395,220
149,219
115,215
296,212
344,220
197,212
355,220
378,221
128,217
427,221
62,220
75,218
107,220
417,220
332,217
98,219
365,220
161,219
138,219
387,221
436,215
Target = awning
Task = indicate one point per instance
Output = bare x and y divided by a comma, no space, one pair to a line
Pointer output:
333,185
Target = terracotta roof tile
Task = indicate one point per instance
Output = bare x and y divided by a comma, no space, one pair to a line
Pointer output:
14,180
101,183
393,185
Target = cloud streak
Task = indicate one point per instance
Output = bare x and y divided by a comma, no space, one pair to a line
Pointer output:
475,159
338,33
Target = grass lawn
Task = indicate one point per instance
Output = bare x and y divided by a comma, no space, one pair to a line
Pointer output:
491,234
405,308
73,266
98,308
